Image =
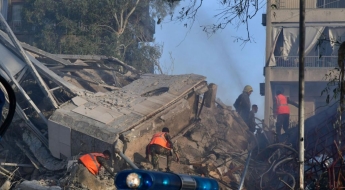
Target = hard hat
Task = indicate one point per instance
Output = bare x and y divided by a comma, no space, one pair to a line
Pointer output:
248,88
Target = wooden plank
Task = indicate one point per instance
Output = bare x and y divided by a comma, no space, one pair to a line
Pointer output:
16,165
45,54
53,76
70,68
86,57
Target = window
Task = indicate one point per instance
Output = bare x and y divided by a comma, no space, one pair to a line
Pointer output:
330,4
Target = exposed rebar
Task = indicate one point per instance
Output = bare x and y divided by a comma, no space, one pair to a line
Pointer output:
245,170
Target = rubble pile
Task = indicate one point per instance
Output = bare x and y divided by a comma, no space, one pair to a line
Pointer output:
94,104
216,147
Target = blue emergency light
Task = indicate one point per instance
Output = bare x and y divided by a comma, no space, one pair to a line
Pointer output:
147,180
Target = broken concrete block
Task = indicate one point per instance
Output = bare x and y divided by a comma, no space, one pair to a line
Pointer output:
196,136
146,166
212,157
226,179
214,174
210,95
35,185
6,185
222,170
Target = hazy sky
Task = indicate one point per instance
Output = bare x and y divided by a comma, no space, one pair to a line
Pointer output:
223,61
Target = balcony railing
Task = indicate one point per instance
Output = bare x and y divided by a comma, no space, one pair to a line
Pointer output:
16,25
310,4
309,61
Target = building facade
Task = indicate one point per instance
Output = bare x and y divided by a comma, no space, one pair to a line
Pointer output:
325,30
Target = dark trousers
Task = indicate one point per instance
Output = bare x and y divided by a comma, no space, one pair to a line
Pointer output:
283,121
155,151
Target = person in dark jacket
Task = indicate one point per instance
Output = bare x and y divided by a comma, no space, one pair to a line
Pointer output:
251,118
242,103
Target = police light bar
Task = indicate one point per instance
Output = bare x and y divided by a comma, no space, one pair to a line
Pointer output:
147,180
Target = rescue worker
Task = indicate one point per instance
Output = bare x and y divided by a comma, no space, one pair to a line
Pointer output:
282,111
94,161
251,118
242,103
161,144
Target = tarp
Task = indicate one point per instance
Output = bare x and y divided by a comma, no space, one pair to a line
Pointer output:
291,40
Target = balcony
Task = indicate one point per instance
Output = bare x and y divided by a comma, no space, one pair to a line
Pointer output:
17,26
309,61
310,4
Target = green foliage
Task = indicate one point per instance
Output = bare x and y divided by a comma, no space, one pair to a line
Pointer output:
107,27
332,90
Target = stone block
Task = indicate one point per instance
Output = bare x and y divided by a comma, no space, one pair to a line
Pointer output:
210,95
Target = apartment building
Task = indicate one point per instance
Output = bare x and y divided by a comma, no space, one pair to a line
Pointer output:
325,29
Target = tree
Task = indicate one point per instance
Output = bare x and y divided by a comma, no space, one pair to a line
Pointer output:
109,27
235,12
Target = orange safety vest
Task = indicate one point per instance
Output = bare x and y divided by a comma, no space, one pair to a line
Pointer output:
91,163
159,139
282,105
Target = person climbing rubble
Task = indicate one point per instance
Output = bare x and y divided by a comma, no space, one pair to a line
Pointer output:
251,118
242,103
161,144
94,161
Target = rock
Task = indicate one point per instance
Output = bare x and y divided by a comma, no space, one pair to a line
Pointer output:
214,174
35,185
222,170
146,166
212,157
226,179
196,136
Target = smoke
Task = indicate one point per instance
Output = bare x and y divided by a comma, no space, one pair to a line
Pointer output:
217,57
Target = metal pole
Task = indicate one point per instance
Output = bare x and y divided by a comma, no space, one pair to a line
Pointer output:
301,93
268,90
16,44
245,170
118,148
128,160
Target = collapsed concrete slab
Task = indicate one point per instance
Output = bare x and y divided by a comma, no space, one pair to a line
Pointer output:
93,121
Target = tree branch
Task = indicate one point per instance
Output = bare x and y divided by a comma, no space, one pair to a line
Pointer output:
109,27
130,13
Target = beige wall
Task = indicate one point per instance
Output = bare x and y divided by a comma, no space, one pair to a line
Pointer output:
312,16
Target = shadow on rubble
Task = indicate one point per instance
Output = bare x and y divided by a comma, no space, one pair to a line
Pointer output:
138,158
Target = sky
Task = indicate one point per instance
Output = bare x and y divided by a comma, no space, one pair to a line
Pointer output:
221,59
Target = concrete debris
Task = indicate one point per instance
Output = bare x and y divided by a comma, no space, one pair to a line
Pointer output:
42,154
35,185
97,105
6,185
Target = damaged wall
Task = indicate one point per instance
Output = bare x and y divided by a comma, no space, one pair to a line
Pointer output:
93,121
